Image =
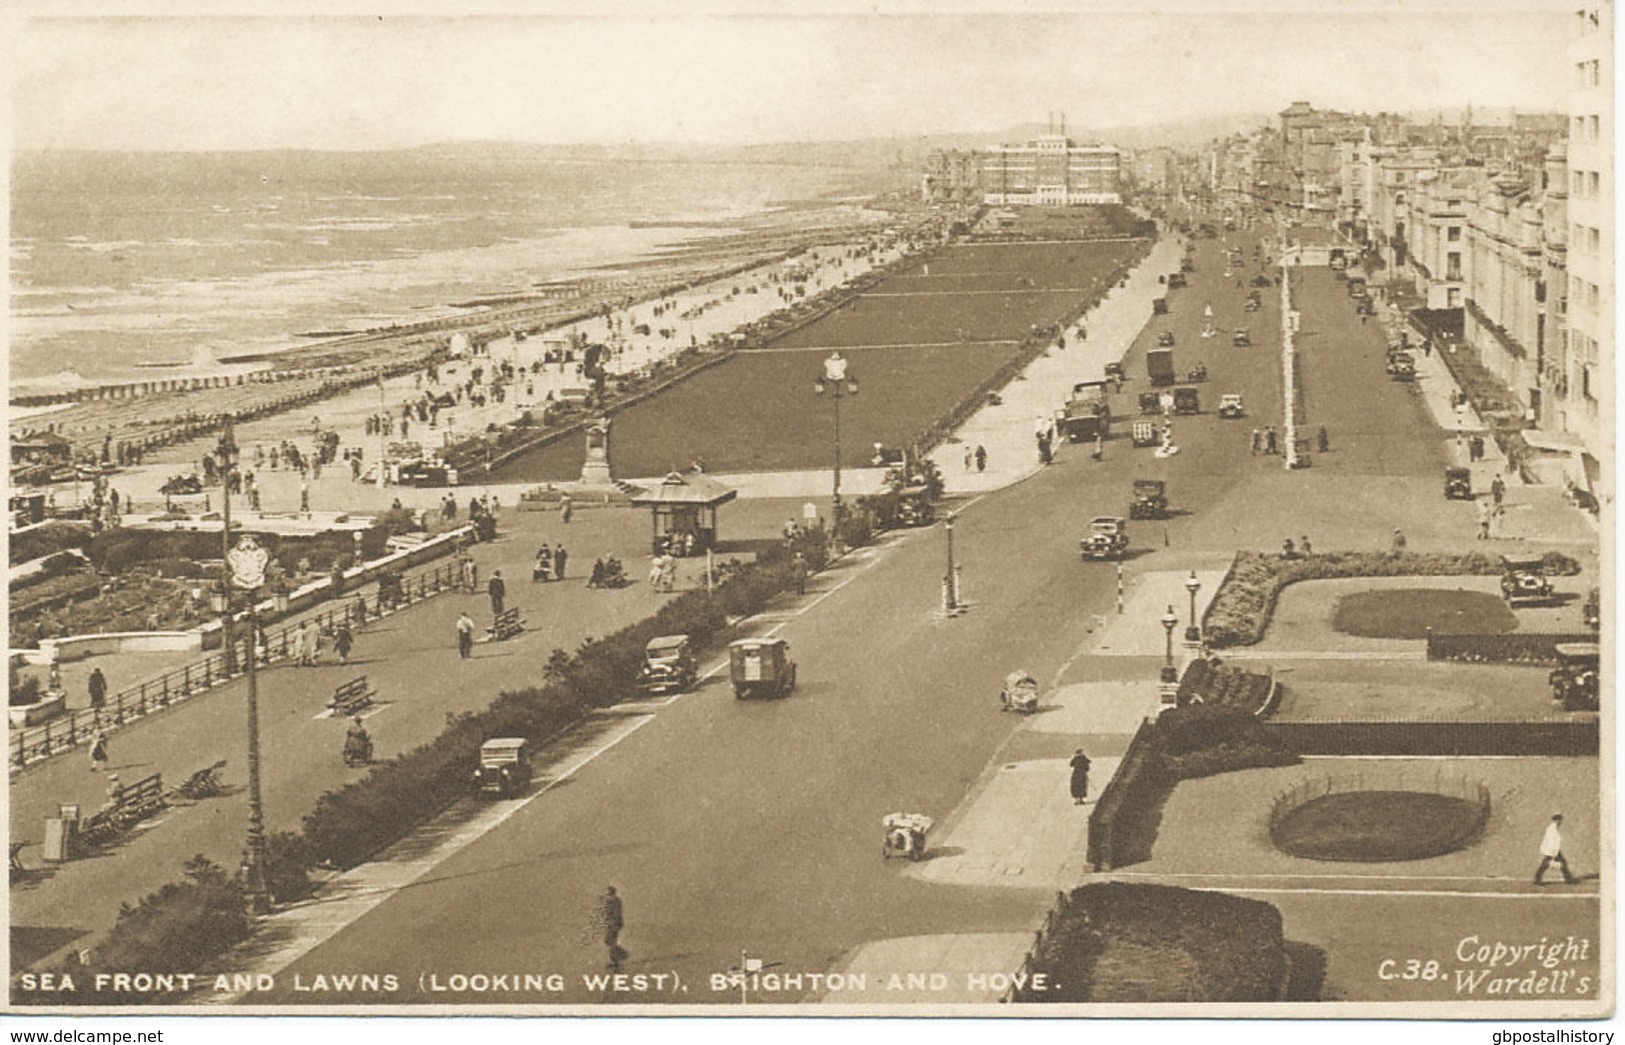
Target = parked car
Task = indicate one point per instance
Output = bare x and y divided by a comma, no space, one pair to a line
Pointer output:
1150,500
1523,577
1458,484
1231,407
1575,680
1240,338
1165,338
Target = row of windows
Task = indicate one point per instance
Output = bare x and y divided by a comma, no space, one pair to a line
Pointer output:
1588,74
1581,290
1585,184
1587,128
1585,238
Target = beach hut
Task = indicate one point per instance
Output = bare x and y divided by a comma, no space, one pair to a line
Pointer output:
684,508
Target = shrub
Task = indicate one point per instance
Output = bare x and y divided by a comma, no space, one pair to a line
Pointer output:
47,539
287,867
1241,609
1206,739
1236,948
24,689
173,930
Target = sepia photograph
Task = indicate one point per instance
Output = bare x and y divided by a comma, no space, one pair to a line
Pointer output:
857,510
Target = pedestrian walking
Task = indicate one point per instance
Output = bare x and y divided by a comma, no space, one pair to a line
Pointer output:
657,569
315,647
1399,540
559,557
1486,515
498,591
1258,439
970,458
799,567
611,919
1551,851
296,648
1323,442
465,635
98,688
981,458
1080,776
668,573
1498,489
343,642
98,751
566,508
304,496
1269,439
1303,544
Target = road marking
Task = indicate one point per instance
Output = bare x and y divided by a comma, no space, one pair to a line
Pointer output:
311,924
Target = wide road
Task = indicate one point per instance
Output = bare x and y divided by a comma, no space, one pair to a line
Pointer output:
755,827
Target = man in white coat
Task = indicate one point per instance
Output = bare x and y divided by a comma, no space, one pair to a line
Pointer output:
1551,850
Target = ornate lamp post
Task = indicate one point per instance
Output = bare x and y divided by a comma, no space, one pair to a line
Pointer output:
836,382
243,570
1170,621
1193,633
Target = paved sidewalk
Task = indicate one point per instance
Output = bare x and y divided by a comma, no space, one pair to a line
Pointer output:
1007,430
1149,595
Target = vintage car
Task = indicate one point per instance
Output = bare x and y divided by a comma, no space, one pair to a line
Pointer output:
1252,305
1231,406
1159,306
914,507
1187,401
669,665
1144,433
1150,500
1150,403
1364,307
1107,538
1176,280
1458,484
1524,577
1114,372
1575,679
1240,338
1402,366
1261,280
1165,338
504,769
761,667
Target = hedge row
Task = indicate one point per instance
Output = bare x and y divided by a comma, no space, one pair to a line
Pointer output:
1241,610
1182,743
1236,948
46,539
1515,648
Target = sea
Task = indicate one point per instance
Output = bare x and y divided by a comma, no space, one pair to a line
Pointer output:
124,261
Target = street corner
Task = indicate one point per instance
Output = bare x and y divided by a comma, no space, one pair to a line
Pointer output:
1137,631
1017,831
940,969
1104,708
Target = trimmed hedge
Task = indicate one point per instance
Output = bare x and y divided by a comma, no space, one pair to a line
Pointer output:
1240,611
1515,648
1236,948
46,539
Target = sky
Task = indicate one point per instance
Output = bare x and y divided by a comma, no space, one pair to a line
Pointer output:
141,77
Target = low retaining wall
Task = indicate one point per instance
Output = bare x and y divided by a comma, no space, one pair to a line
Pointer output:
1439,737
77,647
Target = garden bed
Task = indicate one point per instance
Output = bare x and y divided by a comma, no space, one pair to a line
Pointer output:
1378,826
1415,613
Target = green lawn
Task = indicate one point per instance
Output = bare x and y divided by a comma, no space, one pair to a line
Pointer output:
1408,613
1378,826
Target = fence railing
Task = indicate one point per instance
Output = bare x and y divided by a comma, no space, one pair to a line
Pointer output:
1029,961
155,694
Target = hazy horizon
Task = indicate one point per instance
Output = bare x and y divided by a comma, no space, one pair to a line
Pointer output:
227,83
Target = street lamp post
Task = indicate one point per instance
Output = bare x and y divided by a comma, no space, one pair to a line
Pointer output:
243,568
836,382
1170,621
1193,633
950,579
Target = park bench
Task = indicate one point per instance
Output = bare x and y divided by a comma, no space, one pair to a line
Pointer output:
351,697
205,783
127,805
506,625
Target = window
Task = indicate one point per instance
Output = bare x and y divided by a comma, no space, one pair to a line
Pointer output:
1596,126
1453,298
1594,240
1579,128
1453,234
1577,183
1595,181
1452,267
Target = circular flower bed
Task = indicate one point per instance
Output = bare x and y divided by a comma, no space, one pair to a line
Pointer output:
1408,613
1379,826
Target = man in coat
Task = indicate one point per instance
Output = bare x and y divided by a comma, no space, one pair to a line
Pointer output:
498,592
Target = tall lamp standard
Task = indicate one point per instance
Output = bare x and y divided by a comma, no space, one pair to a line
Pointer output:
836,382
1193,633
1170,621
244,570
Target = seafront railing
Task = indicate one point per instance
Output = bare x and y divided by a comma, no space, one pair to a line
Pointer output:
152,695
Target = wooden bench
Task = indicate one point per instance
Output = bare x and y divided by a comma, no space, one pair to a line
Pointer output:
351,697
127,805
506,625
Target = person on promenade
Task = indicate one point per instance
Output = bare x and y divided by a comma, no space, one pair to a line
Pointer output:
1258,439
1399,540
304,496
465,635
1080,776
566,508
799,568
610,917
560,556
1551,851
498,592
1303,546
98,688
1323,441
970,458
543,570
657,568
1269,439
98,751
343,642
296,648
1498,489
981,458
1485,517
